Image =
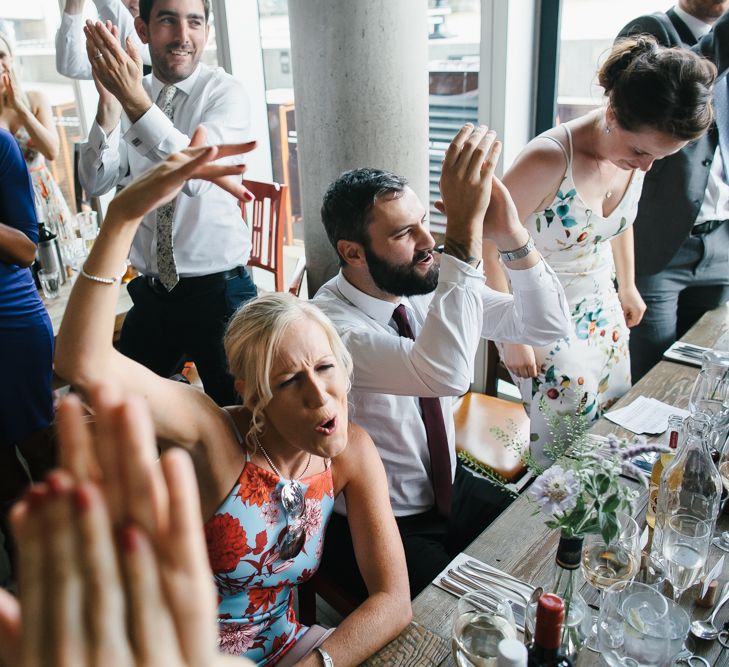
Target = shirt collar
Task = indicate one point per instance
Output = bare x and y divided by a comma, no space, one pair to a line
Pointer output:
696,26
377,309
185,85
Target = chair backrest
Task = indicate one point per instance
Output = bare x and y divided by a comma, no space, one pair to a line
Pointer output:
297,279
267,231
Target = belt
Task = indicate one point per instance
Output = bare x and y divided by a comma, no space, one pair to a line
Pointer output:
194,281
706,227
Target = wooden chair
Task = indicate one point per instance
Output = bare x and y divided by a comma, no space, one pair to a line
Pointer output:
267,227
323,585
493,430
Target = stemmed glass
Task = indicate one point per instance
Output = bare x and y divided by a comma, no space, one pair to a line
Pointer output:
605,563
482,620
685,547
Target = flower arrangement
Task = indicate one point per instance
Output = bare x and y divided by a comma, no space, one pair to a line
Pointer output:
581,492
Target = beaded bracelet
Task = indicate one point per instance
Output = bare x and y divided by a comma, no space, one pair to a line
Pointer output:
99,279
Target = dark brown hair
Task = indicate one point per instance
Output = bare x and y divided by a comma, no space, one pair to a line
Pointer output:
664,89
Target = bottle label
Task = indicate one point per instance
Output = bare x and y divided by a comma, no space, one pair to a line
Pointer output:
673,440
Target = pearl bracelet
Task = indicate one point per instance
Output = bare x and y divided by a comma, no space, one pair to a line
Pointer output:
99,279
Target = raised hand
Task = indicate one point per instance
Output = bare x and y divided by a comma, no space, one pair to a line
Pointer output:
13,94
97,587
465,186
119,71
164,181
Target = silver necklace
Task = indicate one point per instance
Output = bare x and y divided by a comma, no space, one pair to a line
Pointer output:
292,493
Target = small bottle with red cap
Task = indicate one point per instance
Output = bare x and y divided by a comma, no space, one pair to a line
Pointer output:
545,651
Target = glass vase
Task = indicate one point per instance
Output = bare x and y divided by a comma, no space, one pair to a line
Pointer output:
565,583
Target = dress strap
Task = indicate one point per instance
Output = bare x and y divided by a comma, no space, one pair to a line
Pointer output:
567,156
238,435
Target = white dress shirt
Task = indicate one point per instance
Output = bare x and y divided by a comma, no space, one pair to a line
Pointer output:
391,372
715,205
71,57
209,234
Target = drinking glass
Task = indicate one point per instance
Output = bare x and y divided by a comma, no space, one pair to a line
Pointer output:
604,563
685,547
639,626
88,228
482,620
50,282
722,539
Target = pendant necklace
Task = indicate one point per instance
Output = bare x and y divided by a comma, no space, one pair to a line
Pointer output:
292,493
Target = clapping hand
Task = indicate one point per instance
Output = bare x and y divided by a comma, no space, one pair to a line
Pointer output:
12,92
164,181
117,70
113,564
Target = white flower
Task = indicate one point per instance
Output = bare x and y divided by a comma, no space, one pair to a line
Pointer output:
555,490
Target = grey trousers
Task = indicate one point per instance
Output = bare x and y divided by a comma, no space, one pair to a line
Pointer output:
696,280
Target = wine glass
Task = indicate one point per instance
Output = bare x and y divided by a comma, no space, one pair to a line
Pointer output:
482,620
685,547
605,563
639,626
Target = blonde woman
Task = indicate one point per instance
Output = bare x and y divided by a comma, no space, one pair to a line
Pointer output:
27,116
268,471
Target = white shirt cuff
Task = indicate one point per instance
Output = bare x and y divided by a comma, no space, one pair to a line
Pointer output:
149,131
535,277
98,139
73,22
453,270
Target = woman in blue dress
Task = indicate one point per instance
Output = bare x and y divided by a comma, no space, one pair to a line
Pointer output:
26,335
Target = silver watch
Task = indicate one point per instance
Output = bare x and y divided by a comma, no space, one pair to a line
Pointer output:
328,662
519,253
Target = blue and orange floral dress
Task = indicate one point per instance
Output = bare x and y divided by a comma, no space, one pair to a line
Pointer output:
255,585
588,370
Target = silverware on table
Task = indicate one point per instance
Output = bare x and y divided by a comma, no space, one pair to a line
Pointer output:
488,569
492,580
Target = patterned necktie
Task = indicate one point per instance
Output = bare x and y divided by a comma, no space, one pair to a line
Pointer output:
435,431
165,255
721,111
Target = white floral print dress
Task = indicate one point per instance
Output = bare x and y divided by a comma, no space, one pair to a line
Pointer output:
589,369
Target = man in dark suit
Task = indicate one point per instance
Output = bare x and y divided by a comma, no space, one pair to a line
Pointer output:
681,232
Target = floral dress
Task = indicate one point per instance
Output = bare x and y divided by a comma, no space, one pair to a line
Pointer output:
255,585
587,371
52,207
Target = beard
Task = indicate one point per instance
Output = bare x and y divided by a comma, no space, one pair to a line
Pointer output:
401,279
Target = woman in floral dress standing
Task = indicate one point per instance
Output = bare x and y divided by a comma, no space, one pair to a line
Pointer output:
576,188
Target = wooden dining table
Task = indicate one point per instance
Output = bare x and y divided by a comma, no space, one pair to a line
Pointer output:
519,543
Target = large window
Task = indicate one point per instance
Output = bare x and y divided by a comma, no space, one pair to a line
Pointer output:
588,30
31,25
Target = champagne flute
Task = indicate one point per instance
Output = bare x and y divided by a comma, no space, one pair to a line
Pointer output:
606,563
685,547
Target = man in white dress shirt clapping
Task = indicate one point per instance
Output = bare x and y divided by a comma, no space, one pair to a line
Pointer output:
412,321
191,253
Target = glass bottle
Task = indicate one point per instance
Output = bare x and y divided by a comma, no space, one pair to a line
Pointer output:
664,460
546,650
691,484
565,584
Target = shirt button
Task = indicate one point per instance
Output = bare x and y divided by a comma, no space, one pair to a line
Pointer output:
706,162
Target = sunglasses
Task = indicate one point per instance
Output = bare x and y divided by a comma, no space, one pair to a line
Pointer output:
292,499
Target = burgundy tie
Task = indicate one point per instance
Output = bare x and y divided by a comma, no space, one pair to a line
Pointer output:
440,460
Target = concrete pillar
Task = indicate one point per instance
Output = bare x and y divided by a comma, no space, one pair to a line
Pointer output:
361,88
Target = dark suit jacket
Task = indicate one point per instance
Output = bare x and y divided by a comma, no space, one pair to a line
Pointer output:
674,187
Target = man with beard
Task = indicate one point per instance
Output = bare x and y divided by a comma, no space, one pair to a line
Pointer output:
191,253
412,322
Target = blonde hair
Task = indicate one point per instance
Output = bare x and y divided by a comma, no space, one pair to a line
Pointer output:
252,338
